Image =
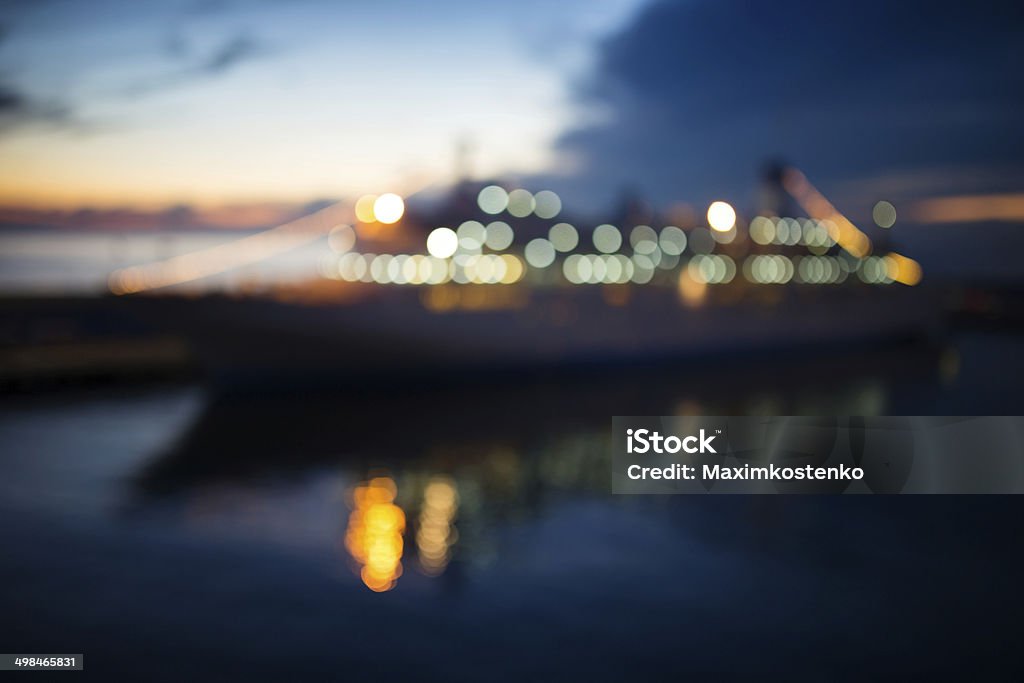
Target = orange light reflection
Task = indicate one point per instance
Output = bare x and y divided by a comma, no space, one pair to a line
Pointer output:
374,534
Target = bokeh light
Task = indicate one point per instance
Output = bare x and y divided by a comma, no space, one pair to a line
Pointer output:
364,208
472,235
672,240
721,216
607,238
499,236
492,199
539,253
442,242
520,203
547,204
388,208
884,214
563,237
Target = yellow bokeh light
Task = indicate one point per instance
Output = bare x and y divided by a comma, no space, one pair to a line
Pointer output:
388,208
721,216
364,208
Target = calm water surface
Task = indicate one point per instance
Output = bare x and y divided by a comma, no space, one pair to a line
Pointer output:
171,533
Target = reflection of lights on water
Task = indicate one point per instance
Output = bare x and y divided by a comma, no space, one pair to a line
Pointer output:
436,533
563,237
721,216
539,253
388,208
374,533
547,204
884,214
607,238
442,242
520,203
492,199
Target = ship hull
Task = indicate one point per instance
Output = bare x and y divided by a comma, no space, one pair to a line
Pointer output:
394,335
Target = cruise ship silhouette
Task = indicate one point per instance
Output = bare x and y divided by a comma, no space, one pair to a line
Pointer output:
498,279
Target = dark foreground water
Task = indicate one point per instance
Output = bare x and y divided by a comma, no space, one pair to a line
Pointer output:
171,534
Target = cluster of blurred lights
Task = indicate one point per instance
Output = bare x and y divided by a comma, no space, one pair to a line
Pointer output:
874,270
519,203
471,237
421,269
711,269
374,533
457,255
769,269
387,208
889,268
816,235
821,270
599,269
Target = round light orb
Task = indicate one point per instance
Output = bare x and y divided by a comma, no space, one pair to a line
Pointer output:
672,240
388,208
721,216
520,203
607,238
547,204
492,199
539,253
563,237
884,214
442,242
499,236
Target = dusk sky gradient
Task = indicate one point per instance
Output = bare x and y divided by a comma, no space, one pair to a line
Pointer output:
153,104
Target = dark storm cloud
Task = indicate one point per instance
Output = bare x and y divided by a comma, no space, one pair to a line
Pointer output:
699,93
